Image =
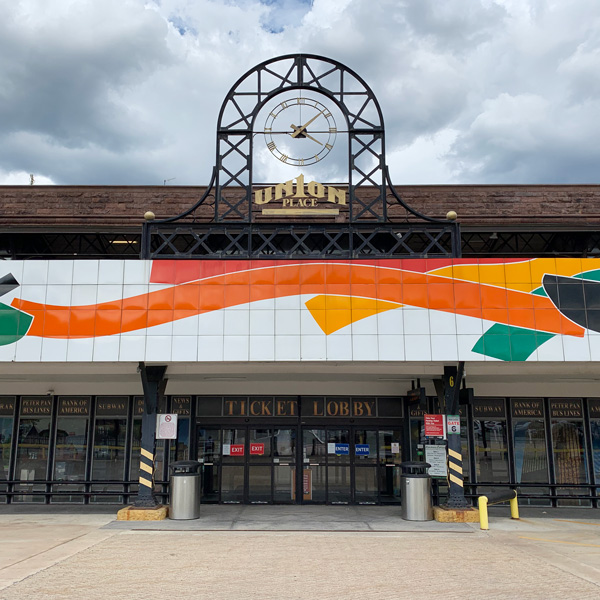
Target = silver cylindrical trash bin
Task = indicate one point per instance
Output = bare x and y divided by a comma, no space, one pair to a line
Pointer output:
415,491
185,490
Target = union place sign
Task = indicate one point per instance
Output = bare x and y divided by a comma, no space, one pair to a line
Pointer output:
295,197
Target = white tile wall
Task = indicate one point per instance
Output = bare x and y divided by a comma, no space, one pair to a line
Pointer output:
272,329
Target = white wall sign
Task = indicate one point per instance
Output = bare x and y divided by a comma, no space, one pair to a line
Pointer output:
166,427
436,457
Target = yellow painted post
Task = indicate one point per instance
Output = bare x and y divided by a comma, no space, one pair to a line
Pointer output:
514,508
483,512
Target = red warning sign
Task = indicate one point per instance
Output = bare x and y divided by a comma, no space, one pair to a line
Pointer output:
258,449
434,425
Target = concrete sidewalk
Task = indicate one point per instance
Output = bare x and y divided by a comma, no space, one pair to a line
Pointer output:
296,552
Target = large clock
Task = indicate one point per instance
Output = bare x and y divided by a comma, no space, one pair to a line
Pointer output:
300,131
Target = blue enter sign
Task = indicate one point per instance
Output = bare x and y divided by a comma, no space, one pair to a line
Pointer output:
342,449
361,449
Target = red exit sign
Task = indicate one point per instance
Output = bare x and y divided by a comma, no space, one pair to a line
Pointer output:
236,450
257,449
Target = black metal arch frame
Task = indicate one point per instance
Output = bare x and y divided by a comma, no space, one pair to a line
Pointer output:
233,232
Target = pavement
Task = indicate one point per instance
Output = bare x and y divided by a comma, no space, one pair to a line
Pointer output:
296,553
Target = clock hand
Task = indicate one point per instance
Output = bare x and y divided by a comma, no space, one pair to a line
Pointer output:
300,129
304,134
312,138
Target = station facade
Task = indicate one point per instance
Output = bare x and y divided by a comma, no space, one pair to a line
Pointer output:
300,331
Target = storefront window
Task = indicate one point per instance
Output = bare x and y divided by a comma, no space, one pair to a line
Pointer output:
108,460
491,442
7,409
531,460
32,448
568,447
594,408
71,448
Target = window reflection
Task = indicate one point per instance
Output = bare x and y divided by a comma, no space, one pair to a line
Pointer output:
491,451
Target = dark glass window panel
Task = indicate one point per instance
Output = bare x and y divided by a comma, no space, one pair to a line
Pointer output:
314,446
259,484
234,446
417,438
70,456
595,428
365,485
491,451
108,460
180,448
284,444
337,436
389,407
284,482
6,427
531,461
314,451
136,445
338,484
362,438
570,465
209,406
389,472
32,456
259,446
232,487
209,454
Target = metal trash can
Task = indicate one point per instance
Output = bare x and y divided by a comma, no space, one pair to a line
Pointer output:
415,491
185,490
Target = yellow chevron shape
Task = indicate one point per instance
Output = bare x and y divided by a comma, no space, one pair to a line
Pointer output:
333,313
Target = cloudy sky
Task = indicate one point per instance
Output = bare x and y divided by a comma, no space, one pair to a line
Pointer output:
128,91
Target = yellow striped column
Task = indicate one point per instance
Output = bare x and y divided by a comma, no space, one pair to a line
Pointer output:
154,383
456,492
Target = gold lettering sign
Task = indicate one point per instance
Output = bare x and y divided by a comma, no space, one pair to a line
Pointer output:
112,406
138,406
594,404
7,406
340,407
527,409
76,406
565,409
180,405
418,413
36,405
489,408
260,407
299,198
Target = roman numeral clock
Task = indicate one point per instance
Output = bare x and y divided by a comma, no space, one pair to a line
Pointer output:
312,133
300,110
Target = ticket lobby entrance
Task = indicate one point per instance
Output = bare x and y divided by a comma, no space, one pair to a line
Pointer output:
306,459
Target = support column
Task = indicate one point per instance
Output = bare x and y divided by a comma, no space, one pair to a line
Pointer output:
154,384
456,496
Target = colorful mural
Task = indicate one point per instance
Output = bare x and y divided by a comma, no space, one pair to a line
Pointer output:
496,309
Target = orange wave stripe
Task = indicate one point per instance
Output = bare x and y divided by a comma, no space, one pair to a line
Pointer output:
499,305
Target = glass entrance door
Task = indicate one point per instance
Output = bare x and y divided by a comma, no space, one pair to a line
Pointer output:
351,466
248,465
357,465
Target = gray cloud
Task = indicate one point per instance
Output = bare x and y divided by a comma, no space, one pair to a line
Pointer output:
128,91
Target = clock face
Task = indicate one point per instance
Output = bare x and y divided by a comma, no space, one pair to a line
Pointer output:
300,131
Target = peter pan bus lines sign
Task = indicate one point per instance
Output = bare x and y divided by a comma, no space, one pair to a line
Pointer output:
300,198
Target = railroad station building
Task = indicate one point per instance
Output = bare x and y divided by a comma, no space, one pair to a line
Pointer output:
300,329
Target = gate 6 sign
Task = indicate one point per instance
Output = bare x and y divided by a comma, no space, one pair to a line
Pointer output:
166,427
453,424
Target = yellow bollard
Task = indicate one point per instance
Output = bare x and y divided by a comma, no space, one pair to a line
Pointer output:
514,508
483,512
